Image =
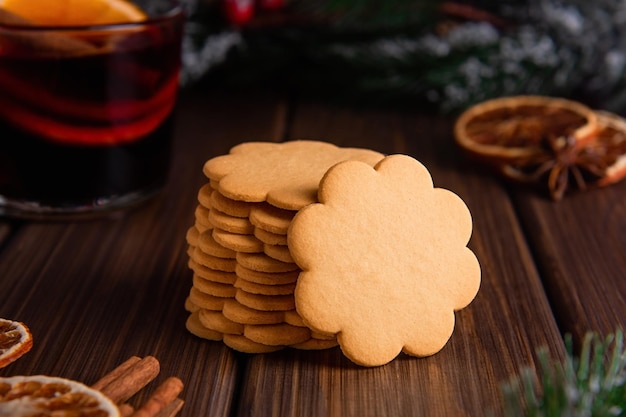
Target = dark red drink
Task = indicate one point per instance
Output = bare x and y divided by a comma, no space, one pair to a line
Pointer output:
86,115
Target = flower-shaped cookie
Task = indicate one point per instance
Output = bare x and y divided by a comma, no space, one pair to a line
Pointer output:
285,175
385,260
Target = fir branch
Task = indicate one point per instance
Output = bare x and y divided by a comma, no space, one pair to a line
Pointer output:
591,384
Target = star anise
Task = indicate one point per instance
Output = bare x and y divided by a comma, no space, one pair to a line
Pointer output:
565,163
534,139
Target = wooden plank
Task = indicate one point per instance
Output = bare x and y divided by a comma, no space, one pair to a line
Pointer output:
5,230
495,336
96,292
580,244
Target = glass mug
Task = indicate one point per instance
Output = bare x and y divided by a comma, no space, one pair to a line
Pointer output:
86,113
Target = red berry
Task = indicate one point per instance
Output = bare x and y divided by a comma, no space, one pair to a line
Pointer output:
239,12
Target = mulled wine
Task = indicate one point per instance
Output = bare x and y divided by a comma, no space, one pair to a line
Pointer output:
86,115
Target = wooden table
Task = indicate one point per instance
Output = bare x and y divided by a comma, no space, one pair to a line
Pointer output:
96,292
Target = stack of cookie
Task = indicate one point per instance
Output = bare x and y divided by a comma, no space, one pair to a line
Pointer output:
243,274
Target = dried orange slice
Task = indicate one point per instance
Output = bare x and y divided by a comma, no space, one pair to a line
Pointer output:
15,341
599,162
611,146
515,129
74,12
42,395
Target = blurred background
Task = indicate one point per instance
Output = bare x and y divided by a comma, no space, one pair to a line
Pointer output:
434,54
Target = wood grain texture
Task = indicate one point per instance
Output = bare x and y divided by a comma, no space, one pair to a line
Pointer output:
580,245
4,231
494,337
96,292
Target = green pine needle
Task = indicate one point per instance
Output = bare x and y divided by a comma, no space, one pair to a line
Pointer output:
592,384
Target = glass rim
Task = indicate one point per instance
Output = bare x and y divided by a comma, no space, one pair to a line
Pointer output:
175,12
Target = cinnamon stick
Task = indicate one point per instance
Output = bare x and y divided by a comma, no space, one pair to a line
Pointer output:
126,410
171,409
132,380
164,395
115,373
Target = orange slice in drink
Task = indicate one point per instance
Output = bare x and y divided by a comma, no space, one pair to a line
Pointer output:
15,341
515,129
74,12
42,395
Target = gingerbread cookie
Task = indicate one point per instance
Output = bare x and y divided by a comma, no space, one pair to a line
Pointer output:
208,245
243,344
265,302
267,278
278,252
276,334
201,215
231,224
213,262
213,288
204,196
269,237
285,175
192,236
210,274
254,288
263,263
237,242
196,328
205,301
271,219
385,260
239,313
216,321
229,206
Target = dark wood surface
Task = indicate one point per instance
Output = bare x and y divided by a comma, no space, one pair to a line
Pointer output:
96,292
